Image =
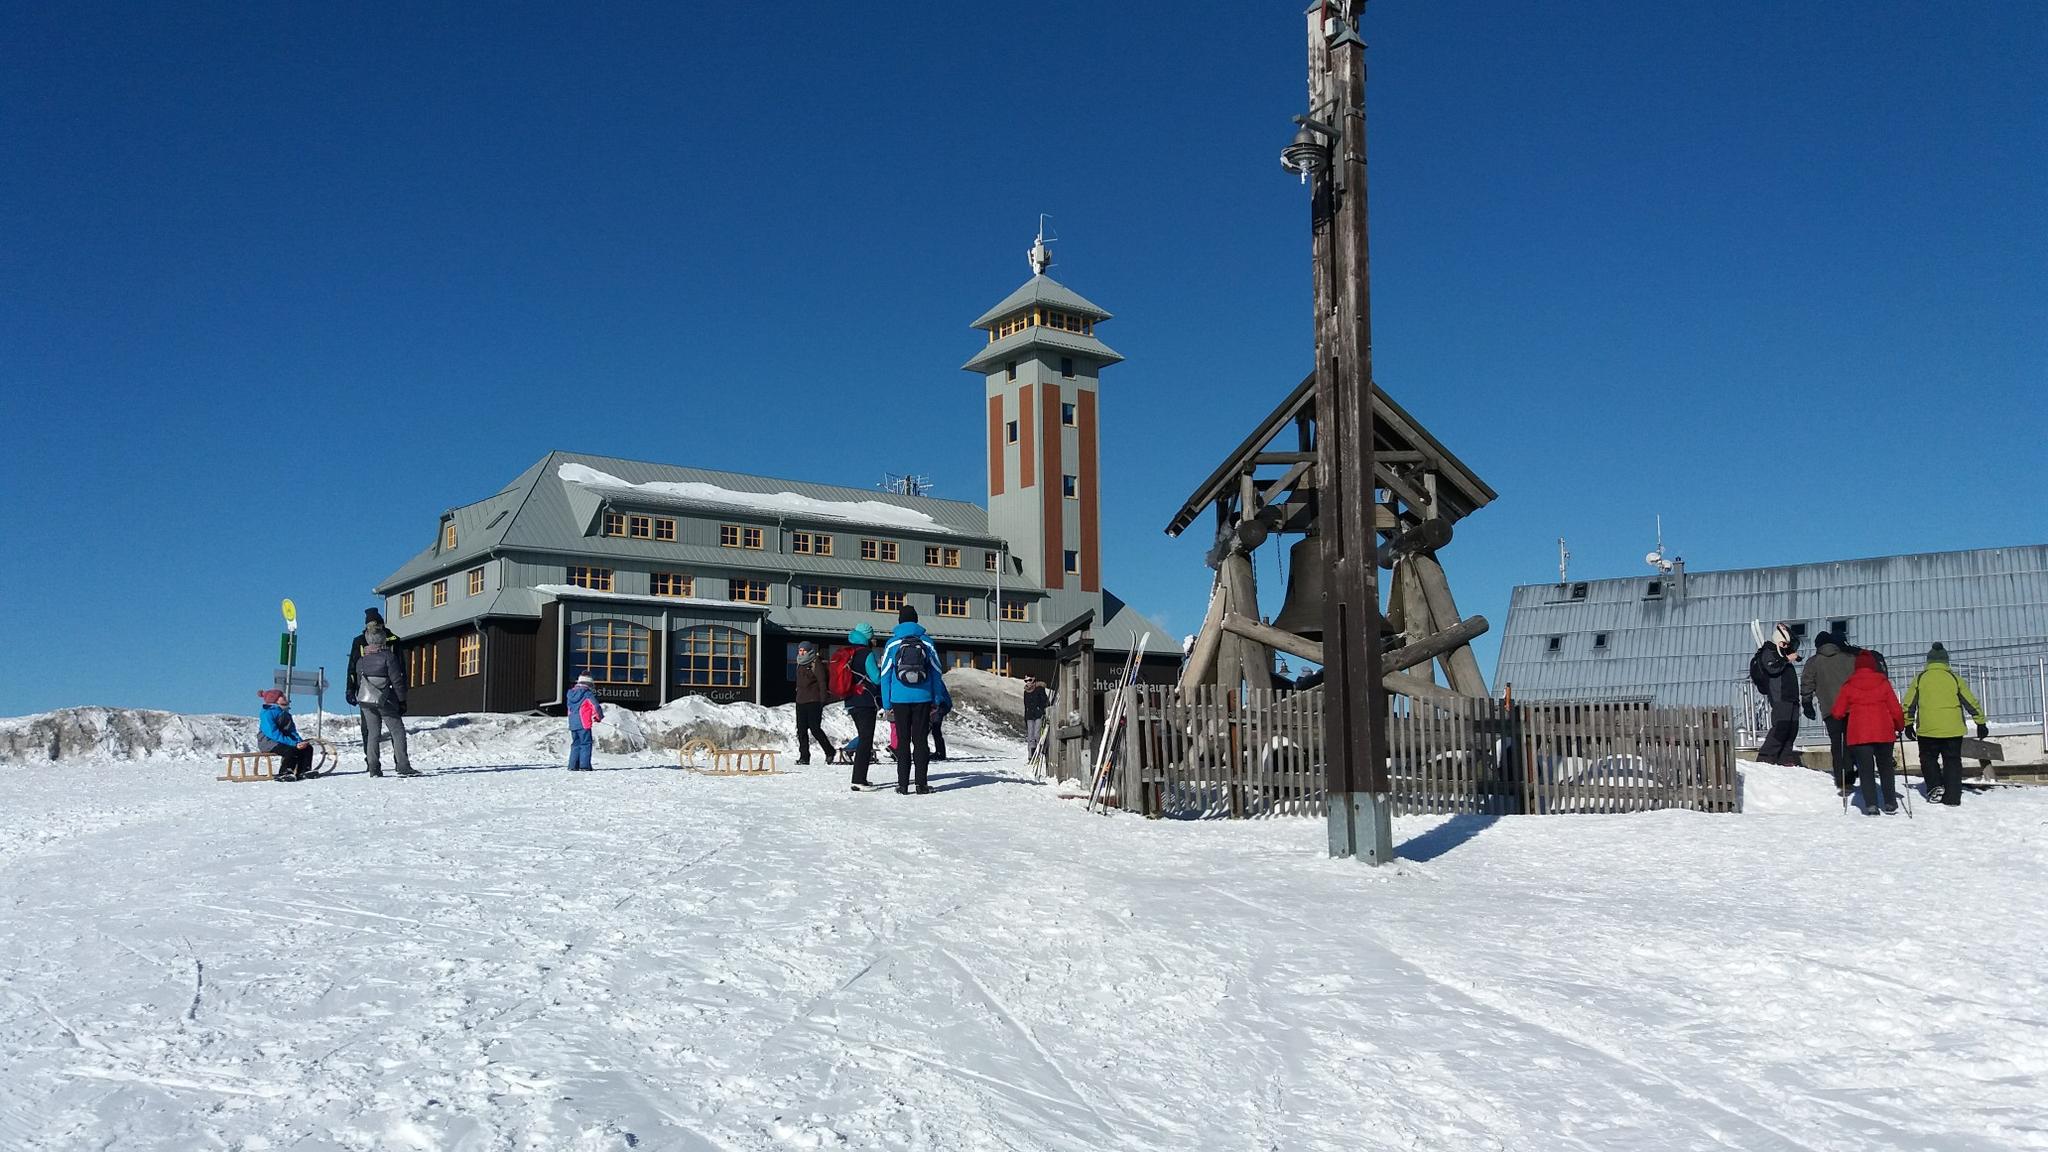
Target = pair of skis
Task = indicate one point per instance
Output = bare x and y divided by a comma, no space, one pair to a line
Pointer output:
1113,730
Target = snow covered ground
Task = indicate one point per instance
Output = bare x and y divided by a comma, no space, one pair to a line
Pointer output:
504,956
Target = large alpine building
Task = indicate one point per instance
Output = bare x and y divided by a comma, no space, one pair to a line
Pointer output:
664,581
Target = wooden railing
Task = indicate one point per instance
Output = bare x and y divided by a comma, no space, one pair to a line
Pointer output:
1259,753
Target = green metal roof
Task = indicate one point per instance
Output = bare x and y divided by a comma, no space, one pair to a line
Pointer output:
1041,289
1039,336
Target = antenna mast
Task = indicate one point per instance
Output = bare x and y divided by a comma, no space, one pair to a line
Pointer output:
1564,557
1040,256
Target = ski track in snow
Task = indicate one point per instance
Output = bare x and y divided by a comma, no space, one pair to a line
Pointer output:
648,959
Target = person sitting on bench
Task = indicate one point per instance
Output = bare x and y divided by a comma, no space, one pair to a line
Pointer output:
277,734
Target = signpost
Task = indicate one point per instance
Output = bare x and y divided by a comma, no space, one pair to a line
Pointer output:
288,655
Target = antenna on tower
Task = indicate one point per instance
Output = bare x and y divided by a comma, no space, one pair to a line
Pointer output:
1564,559
1656,557
906,484
1040,256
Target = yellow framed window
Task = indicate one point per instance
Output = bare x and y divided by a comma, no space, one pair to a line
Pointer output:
885,601
959,660
883,551
821,545
440,593
728,535
611,651
448,534
665,529
476,581
817,596
469,655
950,605
405,604
595,579
423,664
712,656
678,584
800,543
950,558
1016,612
750,591
640,527
931,555
615,523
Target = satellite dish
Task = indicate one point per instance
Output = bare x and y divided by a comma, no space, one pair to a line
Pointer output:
1654,559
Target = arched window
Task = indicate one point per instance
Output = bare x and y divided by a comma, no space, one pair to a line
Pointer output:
612,651
712,656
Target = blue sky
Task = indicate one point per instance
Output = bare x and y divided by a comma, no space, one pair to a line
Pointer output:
280,283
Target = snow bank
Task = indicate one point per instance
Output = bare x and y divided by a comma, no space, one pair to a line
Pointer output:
1775,790
94,733
871,512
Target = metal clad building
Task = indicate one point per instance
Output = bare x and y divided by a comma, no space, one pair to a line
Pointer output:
1684,638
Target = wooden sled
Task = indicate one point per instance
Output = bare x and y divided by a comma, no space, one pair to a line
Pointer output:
708,759
245,767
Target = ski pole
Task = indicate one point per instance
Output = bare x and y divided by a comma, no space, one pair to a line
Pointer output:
1907,793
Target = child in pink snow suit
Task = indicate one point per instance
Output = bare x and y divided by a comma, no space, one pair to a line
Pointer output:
584,713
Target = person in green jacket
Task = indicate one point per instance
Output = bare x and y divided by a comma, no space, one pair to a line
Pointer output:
1935,703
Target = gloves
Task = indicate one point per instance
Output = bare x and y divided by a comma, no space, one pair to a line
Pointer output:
1810,714
1909,733
1983,731
351,698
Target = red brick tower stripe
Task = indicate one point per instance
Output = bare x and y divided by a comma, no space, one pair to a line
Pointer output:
1091,540
995,445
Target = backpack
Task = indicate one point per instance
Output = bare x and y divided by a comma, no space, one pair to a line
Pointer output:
911,665
1757,675
844,682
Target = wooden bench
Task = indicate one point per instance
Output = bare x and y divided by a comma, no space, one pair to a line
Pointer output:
706,758
244,767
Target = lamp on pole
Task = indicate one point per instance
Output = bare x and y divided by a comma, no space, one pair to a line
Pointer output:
1328,153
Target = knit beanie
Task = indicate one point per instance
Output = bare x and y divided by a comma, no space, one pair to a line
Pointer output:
270,696
907,615
863,633
373,614
806,652
1937,654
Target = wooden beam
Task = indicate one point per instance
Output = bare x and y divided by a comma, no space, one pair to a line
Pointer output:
1298,646
1416,688
1400,487
1204,655
1430,647
1284,457
1427,536
1460,666
1272,491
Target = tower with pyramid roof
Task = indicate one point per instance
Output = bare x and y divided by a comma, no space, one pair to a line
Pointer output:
1042,365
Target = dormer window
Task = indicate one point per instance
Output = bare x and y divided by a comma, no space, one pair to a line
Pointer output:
448,534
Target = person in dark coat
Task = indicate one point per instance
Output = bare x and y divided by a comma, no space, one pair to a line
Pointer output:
1822,680
865,701
378,691
1772,671
1035,700
355,650
278,734
1873,719
812,692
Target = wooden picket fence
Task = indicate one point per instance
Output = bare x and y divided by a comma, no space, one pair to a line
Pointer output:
1259,754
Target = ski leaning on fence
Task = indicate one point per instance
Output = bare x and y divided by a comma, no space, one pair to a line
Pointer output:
1113,730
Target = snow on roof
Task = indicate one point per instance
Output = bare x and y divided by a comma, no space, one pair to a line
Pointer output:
875,513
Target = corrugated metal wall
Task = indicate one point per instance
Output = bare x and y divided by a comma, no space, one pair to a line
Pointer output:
1691,645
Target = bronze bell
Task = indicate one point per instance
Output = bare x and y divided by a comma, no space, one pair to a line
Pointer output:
1302,611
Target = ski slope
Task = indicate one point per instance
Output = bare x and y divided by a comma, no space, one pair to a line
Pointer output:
504,956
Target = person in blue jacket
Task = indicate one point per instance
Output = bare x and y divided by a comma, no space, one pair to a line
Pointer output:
278,734
911,688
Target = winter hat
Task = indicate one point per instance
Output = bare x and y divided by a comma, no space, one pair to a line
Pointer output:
806,652
373,614
1823,638
1937,654
863,634
906,615
374,635
1866,659
270,696
1781,635
585,679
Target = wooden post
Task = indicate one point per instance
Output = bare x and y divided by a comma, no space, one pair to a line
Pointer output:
1356,768
1461,667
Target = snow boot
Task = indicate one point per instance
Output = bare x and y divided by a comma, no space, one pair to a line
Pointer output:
1934,794
1891,808
924,789
377,772
410,772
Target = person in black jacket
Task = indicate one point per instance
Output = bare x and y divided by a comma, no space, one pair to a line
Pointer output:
355,650
1773,673
863,659
379,690
1035,700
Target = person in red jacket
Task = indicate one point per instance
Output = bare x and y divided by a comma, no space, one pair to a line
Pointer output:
1874,718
